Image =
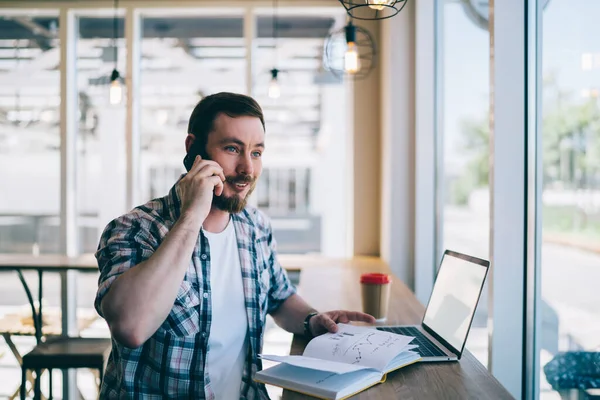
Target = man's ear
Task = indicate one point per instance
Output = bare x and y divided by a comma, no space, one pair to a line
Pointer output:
189,141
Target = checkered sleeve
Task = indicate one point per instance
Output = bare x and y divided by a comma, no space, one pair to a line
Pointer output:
125,242
280,285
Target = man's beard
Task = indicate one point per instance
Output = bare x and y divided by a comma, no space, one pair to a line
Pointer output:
234,204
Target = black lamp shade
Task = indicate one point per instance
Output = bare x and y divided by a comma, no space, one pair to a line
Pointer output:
350,33
373,9
335,48
114,75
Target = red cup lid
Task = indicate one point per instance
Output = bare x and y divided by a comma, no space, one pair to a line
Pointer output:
375,278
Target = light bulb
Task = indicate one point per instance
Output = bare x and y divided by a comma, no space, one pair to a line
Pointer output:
351,64
116,92
379,4
274,90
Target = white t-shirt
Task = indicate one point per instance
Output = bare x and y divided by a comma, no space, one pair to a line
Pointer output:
227,342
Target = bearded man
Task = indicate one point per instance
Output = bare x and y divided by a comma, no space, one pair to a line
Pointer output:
187,280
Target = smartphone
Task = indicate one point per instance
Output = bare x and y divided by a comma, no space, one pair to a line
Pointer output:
196,149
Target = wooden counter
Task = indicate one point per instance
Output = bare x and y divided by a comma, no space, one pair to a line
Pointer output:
329,285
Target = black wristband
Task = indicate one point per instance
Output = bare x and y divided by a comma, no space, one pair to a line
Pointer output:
307,331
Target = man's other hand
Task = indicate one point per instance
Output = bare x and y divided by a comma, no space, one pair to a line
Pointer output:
327,321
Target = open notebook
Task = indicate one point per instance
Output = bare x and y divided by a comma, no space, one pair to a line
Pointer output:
339,365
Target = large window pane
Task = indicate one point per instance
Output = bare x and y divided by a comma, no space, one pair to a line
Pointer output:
307,135
465,137
29,164
100,125
186,55
29,132
193,53
570,268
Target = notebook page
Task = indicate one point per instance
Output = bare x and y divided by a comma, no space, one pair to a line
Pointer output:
356,345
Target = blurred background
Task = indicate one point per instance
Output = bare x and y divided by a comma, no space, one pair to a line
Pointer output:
182,53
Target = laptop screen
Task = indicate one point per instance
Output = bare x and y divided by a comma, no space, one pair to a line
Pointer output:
454,297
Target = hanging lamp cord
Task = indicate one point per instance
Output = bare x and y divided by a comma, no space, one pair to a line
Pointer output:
116,53
275,32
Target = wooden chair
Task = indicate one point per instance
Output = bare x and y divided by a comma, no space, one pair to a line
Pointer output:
64,353
57,352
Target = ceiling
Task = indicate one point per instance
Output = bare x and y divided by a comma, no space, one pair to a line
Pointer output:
43,28
182,58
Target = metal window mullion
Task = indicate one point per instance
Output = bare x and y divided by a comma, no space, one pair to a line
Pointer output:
425,149
68,179
531,376
438,104
508,192
132,132
68,163
68,133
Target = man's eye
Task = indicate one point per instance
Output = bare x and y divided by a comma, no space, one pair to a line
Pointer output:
231,149
257,154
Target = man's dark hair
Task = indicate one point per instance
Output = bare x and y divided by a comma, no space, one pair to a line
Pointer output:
206,111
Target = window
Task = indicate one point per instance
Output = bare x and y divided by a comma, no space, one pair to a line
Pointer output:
570,253
100,126
30,169
29,132
465,143
186,55
303,188
280,191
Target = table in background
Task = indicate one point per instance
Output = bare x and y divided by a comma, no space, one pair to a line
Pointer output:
41,264
334,284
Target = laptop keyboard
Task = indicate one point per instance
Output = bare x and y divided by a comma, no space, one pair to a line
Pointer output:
425,349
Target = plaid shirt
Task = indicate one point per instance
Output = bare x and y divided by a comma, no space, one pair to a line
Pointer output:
172,363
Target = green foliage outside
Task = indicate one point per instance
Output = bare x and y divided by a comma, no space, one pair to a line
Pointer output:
571,159
568,219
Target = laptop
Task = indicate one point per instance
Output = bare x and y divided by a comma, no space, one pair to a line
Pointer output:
443,332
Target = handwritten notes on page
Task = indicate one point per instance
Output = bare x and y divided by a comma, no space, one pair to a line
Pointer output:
359,346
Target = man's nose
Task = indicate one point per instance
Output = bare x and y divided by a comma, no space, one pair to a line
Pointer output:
245,165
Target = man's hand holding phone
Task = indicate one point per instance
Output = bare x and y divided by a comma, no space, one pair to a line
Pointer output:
197,188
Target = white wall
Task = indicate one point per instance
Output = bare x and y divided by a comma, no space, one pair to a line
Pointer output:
397,143
329,186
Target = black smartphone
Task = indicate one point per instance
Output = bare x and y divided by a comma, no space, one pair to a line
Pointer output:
196,149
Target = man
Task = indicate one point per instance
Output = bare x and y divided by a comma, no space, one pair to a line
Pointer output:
186,281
